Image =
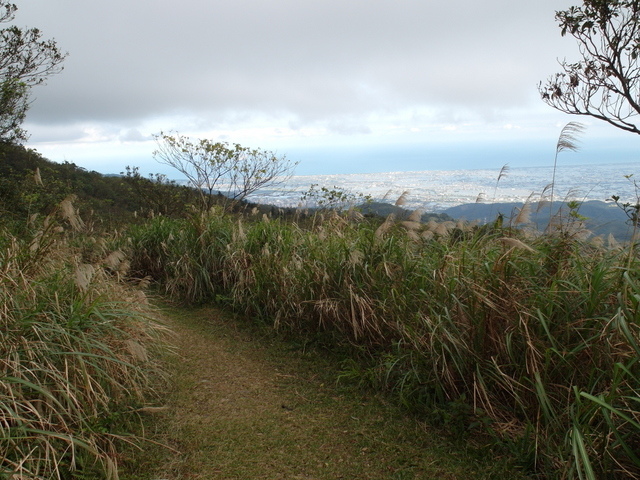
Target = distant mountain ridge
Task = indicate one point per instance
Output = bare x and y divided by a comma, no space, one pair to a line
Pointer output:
601,218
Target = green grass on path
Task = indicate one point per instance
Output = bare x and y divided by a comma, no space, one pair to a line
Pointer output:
245,404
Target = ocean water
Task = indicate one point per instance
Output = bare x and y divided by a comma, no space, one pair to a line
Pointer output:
437,190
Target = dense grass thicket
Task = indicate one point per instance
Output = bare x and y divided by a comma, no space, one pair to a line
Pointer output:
75,351
534,338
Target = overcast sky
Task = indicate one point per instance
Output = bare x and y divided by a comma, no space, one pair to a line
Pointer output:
416,84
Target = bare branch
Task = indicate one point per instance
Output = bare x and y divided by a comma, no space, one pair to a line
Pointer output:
232,170
605,84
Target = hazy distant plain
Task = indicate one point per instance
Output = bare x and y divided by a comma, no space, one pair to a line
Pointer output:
437,190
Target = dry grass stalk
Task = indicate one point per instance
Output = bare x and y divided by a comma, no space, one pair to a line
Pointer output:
34,246
57,376
362,316
36,177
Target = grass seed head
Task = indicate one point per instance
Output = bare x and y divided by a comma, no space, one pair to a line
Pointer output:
69,213
83,275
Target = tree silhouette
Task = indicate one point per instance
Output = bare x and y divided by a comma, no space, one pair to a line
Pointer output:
25,60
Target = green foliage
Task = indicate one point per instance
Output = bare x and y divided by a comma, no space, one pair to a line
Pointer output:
335,198
533,339
157,194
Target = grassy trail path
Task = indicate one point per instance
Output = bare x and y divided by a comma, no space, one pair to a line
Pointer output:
246,406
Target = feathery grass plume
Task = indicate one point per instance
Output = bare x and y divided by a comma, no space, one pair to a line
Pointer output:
515,243
402,199
543,203
597,241
524,214
409,225
481,197
137,350
544,197
427,235
34,246
69,213
123,268
464,226
387,195
83,275
354,214
36,176
431,225
441,229
450,224
114,259
416,215
568,140
385,226
239,233
356,257
413,235
503,173
555,224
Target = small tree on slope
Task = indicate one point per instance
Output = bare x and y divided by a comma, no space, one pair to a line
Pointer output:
212,167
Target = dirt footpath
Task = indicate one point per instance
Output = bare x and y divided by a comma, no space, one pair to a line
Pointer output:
246,405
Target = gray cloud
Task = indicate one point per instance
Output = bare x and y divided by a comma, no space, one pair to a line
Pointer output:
133,135
318,61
